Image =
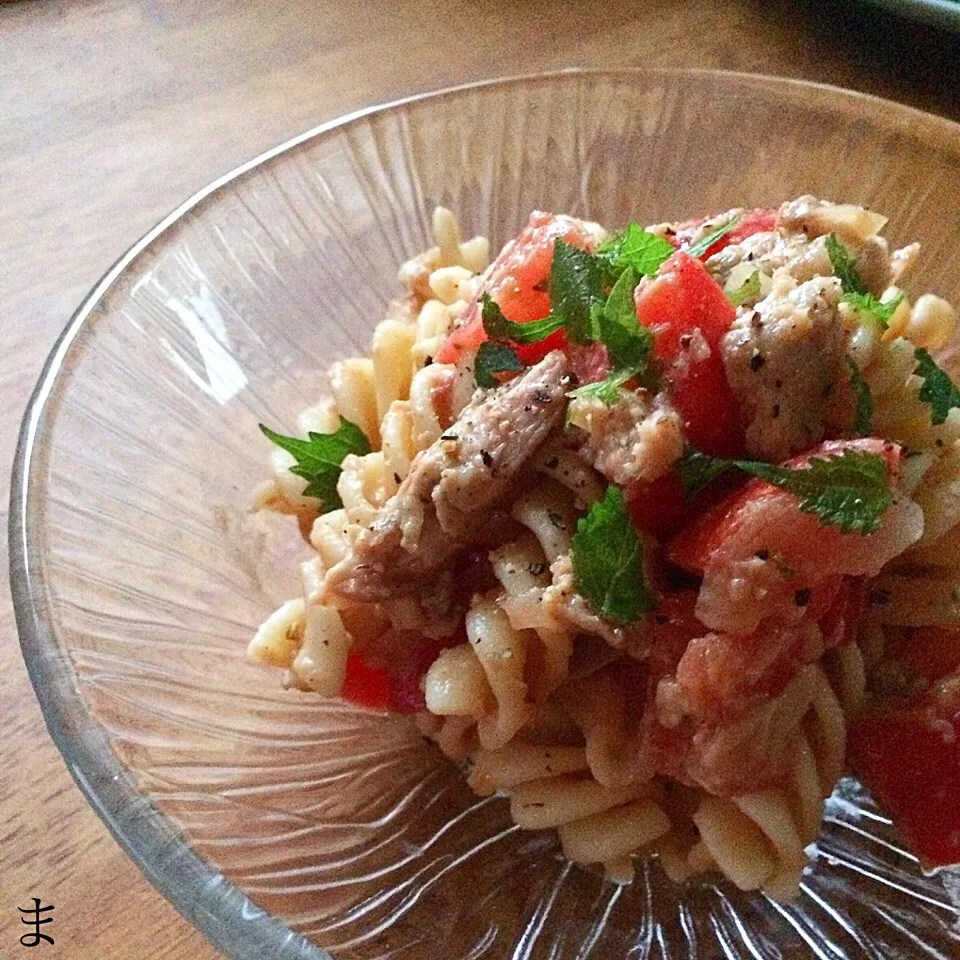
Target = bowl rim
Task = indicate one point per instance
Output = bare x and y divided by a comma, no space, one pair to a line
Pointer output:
139,827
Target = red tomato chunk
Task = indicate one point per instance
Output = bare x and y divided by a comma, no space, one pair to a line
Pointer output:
689,313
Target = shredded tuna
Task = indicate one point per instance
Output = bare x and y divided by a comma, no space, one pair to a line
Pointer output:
447,500
783,360
636,439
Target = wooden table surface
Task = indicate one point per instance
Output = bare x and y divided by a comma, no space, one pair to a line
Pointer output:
112,111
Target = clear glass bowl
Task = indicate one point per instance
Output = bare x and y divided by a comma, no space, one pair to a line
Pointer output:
282,825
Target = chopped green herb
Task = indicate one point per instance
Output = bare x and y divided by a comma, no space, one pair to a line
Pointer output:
614,324
608,561
748,290
493,358
319,458
867,303
697,470
607,390
847,490
498,327
938,389
636,248
844,266
576,284
699,248
863,411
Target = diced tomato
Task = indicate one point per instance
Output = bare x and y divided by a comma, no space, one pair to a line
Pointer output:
907,753
398,689
758,220
838,623
517,280
927,653
688,313
366,686
760,555
658,508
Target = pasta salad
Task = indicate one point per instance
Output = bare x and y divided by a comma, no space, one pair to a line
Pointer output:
656,532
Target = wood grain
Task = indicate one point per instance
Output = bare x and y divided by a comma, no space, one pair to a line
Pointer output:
112,111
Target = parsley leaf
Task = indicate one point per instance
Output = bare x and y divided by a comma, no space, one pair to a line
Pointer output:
696,470
847,490
498,327
844,266
608,561
877,310
699,248
614,323
938,389
494,358
863,413
636,248
607,390
748,290
319,458
576,284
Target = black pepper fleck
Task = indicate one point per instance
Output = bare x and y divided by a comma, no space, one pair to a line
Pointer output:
802,597
757,361
486,458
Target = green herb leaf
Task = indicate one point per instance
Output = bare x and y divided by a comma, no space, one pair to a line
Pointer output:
608,561
867,303
844,266
699,248
498,327
493,358
697,470
576,284
319,458
748,290
938,389
607,390
863,413
847,490
614,323
636,248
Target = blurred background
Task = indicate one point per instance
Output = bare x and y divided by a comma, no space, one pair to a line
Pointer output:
113,111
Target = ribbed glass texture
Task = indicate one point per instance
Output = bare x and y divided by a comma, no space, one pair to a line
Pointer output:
283,825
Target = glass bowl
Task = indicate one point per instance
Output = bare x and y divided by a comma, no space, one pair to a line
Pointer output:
282,825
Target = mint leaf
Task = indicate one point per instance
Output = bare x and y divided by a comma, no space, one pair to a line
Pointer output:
493,358
498,327
696,470
748,290
614,323
608,561
938,389
863,413
607,390
576,284
699,248
847,490
636,248
319,458
867,303
844,266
